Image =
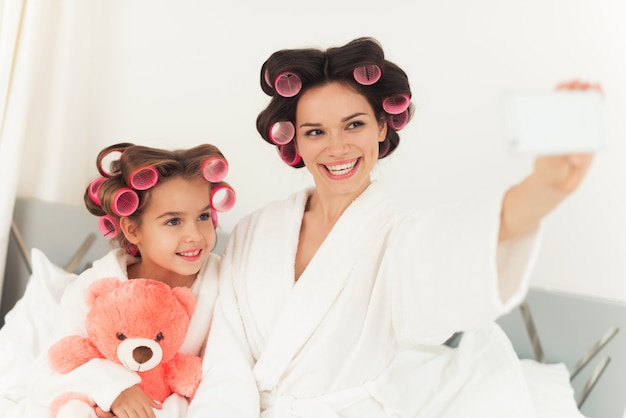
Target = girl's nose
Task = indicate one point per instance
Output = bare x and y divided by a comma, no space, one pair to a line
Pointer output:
337,145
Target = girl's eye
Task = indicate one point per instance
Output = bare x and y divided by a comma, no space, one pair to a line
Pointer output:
173,222
355,124
204,216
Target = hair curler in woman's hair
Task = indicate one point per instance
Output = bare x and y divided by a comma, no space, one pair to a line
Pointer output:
214,169
125,202
108,226
398,121
397,103
143,178
367,74
287,84
94,189
282,132
222,198
289,154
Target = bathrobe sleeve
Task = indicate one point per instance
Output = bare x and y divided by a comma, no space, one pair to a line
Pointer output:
445,265
228,387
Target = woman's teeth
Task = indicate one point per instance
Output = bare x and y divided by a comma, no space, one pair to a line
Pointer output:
340,169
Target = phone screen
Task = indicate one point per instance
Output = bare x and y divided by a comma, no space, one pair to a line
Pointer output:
556,122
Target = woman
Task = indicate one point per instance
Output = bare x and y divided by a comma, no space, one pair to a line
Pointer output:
335,304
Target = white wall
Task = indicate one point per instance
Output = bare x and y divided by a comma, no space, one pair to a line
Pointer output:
174,74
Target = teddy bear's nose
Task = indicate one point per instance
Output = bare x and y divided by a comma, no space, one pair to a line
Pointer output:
142,354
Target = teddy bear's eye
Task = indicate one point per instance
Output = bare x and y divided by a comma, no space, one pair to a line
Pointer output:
121,336
159,337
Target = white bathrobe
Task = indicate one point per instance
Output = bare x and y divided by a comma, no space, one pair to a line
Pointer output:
359,333
101,379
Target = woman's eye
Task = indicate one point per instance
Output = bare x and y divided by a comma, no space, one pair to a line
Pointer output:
313,132
355,124
173,222
204,217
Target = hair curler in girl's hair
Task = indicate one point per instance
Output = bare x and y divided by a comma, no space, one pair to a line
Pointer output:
398,121
367,74
108,159
222,198
289,154
143,178
94,189
397,103
214,169
125,202
287,84
108,226
282,132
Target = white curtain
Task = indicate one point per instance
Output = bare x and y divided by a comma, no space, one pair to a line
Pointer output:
42,45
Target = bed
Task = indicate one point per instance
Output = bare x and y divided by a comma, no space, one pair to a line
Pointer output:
556,335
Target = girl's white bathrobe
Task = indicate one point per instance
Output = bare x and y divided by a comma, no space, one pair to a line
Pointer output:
360,333
101,379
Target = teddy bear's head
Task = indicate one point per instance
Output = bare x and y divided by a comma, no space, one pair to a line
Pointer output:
139,323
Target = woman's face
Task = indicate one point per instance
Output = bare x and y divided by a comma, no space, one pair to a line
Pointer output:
337,136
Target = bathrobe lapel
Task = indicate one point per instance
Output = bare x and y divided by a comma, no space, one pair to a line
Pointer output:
319,285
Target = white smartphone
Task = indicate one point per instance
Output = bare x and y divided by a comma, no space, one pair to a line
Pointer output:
555,122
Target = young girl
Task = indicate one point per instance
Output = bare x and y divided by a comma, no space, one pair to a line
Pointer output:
160,209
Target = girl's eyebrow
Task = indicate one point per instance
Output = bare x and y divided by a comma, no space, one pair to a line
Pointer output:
347,118
178,214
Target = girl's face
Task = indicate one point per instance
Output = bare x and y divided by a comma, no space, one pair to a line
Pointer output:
337,136
176,233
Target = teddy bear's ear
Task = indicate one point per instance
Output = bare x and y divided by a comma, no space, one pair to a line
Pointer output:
101,287
186,298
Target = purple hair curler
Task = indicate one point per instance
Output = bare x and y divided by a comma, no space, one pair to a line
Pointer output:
398,121
367,74
214,169
125,202
94,189
108,226
106,160
282,132
287,84
397,103
143,178
222,198
289,154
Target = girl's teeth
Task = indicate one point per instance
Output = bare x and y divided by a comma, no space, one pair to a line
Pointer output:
192,254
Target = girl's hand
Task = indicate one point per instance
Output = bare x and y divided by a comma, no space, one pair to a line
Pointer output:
134,403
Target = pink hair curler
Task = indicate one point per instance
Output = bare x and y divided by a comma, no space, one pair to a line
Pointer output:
108,226
125,202
222,198
289,154
214,218
282,132
398,121
367,74
397,103
214,169
107,160
94,189
143,178
287,84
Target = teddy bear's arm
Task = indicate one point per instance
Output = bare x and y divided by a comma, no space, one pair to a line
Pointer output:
70,352
183,374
